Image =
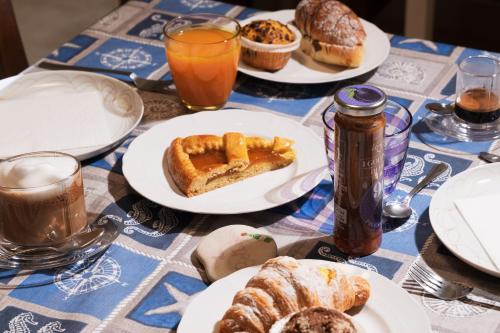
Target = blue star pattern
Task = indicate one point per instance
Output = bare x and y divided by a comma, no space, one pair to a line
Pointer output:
72,48
162,305
421,45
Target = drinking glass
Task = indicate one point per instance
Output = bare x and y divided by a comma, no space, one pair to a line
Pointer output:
398,120
203,52
477,98
42,200
475,113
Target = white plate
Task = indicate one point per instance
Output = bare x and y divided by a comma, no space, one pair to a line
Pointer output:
144,163
389,308
83,114
448,223
303,69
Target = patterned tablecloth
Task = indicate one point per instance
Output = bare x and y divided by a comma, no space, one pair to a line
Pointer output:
147,277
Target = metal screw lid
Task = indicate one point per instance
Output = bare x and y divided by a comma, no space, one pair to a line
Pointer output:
360,100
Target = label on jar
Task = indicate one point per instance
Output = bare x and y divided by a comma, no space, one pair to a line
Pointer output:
340,214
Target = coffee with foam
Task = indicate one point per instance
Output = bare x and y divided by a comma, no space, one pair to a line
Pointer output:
36,172
41,198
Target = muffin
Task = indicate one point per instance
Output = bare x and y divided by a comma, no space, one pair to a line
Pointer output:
268,44
332,32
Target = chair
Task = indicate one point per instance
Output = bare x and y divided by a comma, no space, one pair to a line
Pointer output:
12,56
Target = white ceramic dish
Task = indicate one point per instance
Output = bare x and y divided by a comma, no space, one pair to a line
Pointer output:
144,163
83,114
389,308
303,69
448,223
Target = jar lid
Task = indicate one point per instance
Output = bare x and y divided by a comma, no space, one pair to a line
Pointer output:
360,100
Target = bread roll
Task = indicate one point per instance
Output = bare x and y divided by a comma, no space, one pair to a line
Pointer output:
331,32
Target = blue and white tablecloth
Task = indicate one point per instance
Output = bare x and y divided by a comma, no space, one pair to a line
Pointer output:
147,277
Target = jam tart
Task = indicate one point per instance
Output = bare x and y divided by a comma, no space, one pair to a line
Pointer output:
268,44
202,163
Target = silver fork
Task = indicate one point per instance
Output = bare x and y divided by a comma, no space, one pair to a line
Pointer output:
436,285
161,86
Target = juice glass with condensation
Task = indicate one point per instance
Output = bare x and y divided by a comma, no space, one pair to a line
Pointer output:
203,52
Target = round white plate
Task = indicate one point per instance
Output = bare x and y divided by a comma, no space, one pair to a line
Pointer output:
303,69
448,223
144,163
389,308
83,114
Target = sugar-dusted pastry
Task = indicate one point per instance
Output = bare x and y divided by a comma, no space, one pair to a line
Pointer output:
284,286
268,44
331,32
202,163
234,247
315,320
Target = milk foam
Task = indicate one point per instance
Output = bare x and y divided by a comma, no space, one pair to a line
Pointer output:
35,171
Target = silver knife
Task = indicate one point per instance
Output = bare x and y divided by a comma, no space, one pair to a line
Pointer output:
490,158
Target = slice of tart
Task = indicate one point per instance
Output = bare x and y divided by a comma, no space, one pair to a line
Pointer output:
202,163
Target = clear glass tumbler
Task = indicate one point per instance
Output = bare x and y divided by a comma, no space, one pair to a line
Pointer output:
477,98
203,52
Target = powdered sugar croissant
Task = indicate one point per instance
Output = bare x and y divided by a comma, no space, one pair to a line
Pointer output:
285,285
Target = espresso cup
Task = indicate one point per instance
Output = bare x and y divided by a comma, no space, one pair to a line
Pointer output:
41,199
477,98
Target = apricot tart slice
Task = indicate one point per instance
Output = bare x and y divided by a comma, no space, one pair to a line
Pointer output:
202,163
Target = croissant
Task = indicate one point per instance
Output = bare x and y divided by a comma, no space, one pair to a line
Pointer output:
284,286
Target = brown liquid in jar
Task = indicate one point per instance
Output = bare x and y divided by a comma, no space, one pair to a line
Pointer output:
358,183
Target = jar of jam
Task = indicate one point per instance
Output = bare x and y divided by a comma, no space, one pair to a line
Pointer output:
359,169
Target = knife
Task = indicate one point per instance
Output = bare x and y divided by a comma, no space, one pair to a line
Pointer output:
490,158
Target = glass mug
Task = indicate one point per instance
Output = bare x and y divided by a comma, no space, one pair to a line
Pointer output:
42,201
477,98
203,52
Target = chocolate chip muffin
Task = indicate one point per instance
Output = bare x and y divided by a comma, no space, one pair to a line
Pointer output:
268,44
268,32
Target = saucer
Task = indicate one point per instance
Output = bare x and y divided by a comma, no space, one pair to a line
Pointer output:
451,125
45,259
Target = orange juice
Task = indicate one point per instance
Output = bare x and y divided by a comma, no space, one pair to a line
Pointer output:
203,62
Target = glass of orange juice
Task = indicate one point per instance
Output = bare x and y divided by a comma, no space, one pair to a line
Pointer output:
203,51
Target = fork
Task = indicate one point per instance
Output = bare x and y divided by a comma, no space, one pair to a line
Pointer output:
162,86
436,285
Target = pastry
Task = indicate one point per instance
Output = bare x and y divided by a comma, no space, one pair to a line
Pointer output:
234,247
202,163
315,320
332,32
268,44
284,286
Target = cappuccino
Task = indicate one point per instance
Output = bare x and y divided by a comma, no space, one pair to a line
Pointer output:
41,199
